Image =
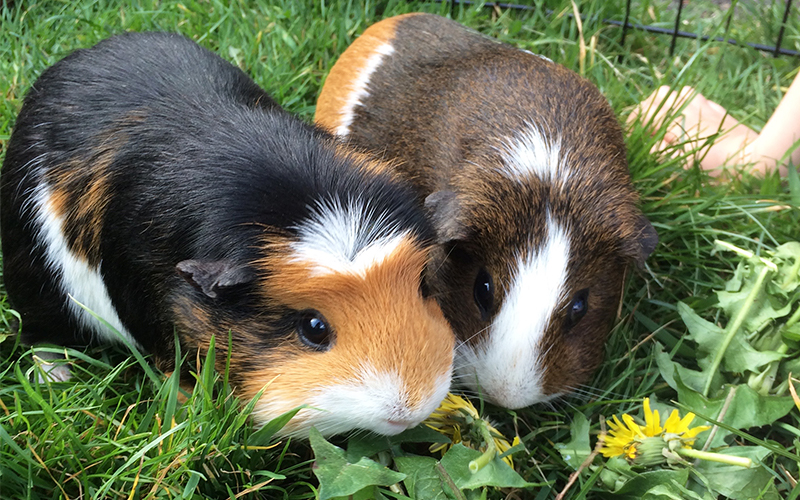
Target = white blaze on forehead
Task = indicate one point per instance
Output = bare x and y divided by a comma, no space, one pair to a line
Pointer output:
531,153
348,239
375,400
507,366
359,86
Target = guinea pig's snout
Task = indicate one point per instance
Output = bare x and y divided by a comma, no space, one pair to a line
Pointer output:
509,364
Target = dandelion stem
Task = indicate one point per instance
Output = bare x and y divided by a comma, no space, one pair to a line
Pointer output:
734,326
491,450
715,457
733,248
794,318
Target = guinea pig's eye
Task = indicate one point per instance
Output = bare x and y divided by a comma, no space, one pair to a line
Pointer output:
484,293
314,331
578,307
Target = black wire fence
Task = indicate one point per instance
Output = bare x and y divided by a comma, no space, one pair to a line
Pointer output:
675,33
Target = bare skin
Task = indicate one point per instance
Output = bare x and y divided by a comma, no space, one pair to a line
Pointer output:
736,144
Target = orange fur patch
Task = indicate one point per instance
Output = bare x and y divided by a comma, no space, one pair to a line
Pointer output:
80,192
338,86
380,321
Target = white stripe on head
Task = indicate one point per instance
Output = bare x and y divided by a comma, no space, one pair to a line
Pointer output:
508,363
346,239
530,152
74,275
359,87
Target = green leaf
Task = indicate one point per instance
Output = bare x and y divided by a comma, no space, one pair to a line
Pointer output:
762,311
338,477
735,482
788,256
423,481
637,487
496,473
792,332
366,445
577,449
674,491
746,408
739,357
671,371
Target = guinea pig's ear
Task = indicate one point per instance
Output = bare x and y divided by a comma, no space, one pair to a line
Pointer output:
443,209
214,276
643,241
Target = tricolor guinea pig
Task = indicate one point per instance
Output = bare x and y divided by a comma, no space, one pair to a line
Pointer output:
156,184
522,166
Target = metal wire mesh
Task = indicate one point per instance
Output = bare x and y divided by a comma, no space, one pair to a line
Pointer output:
675,33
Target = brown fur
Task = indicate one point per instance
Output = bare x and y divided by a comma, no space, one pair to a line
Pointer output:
444,104
80,193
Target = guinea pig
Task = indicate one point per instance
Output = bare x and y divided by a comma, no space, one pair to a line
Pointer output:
156,184
522,166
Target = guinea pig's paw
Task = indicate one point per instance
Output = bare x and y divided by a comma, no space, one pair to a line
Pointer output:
52,367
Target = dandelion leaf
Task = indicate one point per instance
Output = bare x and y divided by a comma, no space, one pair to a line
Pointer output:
788,256
765,307
423,481
739,356
496,473
678,376
338,477
746,408
734,284
577,449
738,483
792,332
676,491
638,486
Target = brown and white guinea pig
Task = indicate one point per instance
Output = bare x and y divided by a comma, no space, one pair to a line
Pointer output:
159,186
522,166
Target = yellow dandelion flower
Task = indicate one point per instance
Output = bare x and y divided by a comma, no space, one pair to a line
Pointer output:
680,426
460,421
622,438
652,444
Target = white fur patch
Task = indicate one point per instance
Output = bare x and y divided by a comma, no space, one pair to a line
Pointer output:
507,366
374,400
75,277
530,152
359,87
347,239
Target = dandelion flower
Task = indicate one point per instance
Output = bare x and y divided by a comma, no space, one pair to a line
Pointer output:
651,444
460,421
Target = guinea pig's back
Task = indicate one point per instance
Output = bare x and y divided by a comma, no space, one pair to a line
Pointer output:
427,90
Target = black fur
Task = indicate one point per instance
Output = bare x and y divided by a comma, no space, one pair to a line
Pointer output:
201,165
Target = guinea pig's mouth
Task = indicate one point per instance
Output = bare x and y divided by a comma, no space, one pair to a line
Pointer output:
393,427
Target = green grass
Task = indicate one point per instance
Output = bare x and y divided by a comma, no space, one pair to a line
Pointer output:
121,431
